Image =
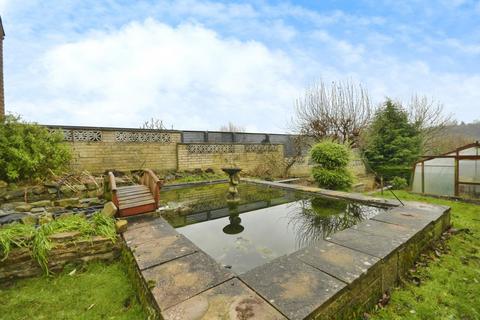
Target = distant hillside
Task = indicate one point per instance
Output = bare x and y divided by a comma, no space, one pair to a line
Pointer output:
471,130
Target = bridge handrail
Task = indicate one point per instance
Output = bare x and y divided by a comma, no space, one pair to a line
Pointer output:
153,183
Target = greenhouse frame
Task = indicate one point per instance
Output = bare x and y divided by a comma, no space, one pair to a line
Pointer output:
453,174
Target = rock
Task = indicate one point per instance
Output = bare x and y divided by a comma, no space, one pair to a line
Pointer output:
55,209
41,203
3,184
11,218
109,209
37,210
45,218
23,208
3,213
121,226
18,193
29,219
52,190
66,190
51,184
38,190
209,170
197,171
10,206
67,202
80,187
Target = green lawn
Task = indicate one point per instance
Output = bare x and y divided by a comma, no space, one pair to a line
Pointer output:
445,284
100,291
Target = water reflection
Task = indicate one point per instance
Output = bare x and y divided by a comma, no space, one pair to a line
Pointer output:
234,227
318,218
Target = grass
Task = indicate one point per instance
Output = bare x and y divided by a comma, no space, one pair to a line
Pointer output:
204,176
445,283
99,291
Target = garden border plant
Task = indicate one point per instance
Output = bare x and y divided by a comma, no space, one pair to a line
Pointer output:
37,239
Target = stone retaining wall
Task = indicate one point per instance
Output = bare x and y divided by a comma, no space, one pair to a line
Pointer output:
67,248
339,277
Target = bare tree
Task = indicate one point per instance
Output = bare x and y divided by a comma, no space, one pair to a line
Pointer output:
429,118
340,111
153,124
231,127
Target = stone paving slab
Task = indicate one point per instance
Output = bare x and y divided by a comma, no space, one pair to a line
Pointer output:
293,287
148,231
341,262
372,244
408,217
402,233
229,300
143,220
180,279
162,249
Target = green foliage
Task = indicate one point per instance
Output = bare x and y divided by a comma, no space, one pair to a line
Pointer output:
331,160
392,142
335,179
399,183
330,155
94,291
445,284
28,151
15,235
390,172
38,241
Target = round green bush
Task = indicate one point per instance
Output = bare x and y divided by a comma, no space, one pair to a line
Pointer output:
330,155
336,179
29,151
399,183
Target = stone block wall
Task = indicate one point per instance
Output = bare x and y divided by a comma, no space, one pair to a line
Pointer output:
67,248
217,156
99,149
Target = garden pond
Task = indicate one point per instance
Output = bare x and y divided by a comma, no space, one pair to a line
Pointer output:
266,223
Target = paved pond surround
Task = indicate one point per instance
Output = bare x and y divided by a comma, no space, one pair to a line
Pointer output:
339,277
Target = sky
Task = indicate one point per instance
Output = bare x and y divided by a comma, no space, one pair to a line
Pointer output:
201,64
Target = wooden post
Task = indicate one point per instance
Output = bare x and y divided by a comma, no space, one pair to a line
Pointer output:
423,176
457,174
381,185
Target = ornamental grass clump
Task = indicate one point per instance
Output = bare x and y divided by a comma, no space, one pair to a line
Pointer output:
330,170
38,241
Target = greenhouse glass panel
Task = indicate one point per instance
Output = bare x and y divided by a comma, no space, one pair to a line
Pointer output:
469,191
417,178
439,175
469,171
474,151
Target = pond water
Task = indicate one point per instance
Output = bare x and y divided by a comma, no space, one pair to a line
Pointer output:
265,224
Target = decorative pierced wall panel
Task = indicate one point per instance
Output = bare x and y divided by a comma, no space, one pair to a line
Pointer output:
67,134
80,135
210,148
87,135
261,148
129,136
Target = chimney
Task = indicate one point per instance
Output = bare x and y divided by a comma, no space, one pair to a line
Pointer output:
2,93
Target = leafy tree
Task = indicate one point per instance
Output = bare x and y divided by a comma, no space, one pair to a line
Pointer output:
330,170
393,144
29,151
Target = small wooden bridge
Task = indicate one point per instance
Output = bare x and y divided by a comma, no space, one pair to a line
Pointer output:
135,199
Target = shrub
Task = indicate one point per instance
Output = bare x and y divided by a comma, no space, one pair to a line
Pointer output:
331,160
399,183
28,151
336,179
330,155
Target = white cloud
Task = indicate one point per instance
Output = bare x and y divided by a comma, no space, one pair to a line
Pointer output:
188,76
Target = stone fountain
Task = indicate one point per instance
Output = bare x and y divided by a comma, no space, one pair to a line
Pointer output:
234,180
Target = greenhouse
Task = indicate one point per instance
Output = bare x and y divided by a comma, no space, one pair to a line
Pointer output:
454,174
